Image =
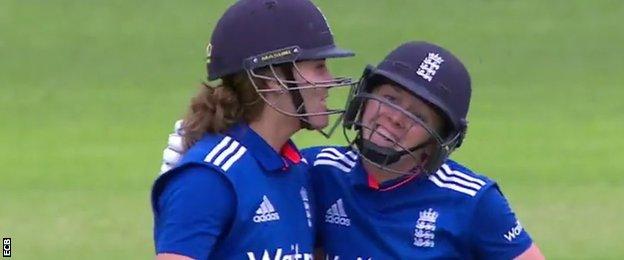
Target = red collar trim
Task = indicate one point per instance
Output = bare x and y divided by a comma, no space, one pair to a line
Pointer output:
374,183
289,152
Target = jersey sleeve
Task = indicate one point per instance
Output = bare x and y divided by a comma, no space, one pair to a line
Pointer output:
496,232
195,207
310,154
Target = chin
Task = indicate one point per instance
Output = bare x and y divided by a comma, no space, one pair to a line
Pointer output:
319,122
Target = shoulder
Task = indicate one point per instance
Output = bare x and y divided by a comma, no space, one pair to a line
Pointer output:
337,157
456,179
309,153
220,152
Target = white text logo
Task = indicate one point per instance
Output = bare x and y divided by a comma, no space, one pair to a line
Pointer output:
514,232
306,205
278,255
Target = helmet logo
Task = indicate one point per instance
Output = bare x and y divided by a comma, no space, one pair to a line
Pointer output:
208,53
430,66
276,55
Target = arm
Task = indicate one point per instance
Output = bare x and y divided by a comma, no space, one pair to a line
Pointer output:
533,253
188,220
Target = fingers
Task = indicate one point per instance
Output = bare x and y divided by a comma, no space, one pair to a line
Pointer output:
174,150
178,127
175,143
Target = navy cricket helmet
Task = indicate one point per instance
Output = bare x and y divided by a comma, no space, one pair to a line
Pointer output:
255,34
430,73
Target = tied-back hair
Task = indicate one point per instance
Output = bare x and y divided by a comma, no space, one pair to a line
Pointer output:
215,109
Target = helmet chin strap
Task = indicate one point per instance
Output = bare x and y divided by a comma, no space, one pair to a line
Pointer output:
297,99
300,106
384,155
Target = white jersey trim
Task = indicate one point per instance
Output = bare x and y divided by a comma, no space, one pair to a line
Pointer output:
332,157
448,170
226,147
457,181
332,163
452,186
217,149
442,175
234,158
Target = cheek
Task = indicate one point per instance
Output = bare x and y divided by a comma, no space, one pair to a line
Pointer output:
371,109
415,136
306,74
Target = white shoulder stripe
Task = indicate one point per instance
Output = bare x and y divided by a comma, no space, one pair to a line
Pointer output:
335,157
332,163
226,147
440,174
452,186
335,151
226,153
352,155
234,158
217,149
448,170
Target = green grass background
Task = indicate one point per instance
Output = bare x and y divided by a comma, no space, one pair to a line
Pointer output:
89,91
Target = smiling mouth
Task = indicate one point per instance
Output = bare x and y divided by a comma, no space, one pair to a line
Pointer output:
385,134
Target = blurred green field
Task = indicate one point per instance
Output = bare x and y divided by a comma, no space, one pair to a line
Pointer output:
89,91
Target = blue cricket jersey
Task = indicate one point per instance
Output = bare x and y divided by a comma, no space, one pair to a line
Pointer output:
233,197
451,214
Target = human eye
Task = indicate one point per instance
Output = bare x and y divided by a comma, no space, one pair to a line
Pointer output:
420,116
321,68
390,98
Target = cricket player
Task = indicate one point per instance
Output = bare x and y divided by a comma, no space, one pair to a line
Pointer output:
241,190
393,193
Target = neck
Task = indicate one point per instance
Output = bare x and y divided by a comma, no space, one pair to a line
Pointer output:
379,174
275,128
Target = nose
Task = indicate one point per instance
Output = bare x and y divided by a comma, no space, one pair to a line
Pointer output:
396,117
328,76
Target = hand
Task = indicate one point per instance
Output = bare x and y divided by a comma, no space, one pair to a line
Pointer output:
174,150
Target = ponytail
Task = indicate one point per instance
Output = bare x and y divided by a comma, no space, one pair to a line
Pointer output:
215,109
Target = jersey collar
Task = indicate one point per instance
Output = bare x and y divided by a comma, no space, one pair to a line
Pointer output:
262,151
366,180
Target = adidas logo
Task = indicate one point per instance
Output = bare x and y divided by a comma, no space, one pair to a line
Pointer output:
336,214
266,212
